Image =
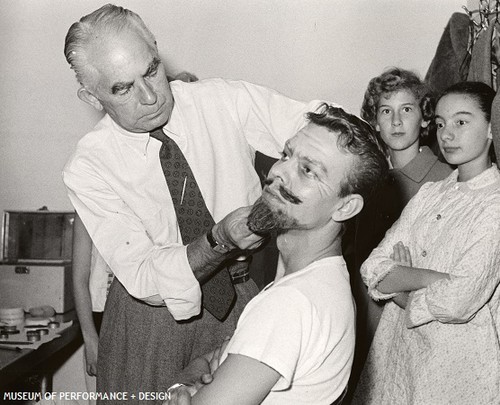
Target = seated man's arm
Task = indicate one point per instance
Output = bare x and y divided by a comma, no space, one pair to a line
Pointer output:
263,353
239,380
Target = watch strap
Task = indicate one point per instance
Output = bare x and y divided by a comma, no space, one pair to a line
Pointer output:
218,247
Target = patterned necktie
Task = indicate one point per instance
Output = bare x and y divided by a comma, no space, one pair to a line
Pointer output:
194,220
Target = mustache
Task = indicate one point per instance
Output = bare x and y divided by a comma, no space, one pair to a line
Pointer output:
285,193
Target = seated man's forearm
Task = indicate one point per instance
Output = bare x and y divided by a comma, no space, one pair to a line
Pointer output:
404,278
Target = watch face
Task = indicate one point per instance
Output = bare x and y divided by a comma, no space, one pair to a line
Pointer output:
220,248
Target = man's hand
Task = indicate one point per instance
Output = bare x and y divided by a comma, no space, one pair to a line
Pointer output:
401,254
233,230
196,374
178,396
90,348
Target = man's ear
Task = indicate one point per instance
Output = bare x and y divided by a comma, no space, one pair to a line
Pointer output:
348,207
87,97
425,124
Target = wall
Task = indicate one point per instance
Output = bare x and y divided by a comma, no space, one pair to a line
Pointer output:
325,49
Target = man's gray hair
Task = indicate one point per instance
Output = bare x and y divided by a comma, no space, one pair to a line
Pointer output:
108,19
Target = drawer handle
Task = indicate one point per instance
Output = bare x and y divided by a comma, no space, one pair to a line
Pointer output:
22,270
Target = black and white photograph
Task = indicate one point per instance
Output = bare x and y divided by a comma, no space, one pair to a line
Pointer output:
244,202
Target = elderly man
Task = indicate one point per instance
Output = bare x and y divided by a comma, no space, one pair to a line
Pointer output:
294,343
156,184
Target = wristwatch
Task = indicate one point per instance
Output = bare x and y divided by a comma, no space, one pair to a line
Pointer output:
173,387
216,246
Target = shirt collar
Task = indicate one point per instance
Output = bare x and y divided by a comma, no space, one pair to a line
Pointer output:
490,178
420,165
336,260
136,140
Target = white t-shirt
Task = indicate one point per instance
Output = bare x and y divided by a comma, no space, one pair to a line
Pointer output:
303,326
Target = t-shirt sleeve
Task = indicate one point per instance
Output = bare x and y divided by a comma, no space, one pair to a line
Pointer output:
272,331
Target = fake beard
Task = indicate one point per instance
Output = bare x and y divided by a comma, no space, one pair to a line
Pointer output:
263,220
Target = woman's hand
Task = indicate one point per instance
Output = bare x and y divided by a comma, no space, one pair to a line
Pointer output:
401,300
401,254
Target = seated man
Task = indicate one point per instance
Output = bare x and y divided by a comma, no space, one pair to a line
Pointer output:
294,342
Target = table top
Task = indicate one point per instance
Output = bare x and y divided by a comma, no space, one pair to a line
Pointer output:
14,364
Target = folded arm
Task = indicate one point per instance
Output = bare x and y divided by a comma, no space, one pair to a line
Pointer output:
474,277
384,270
239,380
403,278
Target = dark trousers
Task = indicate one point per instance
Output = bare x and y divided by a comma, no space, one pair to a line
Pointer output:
142,348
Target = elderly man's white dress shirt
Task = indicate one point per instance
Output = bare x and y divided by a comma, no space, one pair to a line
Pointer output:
116,183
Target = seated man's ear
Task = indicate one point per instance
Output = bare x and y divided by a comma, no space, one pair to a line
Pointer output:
87,97
348,207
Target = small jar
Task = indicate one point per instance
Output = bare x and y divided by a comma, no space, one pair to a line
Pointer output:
53,325
12,317
33,336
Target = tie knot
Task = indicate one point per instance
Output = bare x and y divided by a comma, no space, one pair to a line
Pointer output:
158,134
